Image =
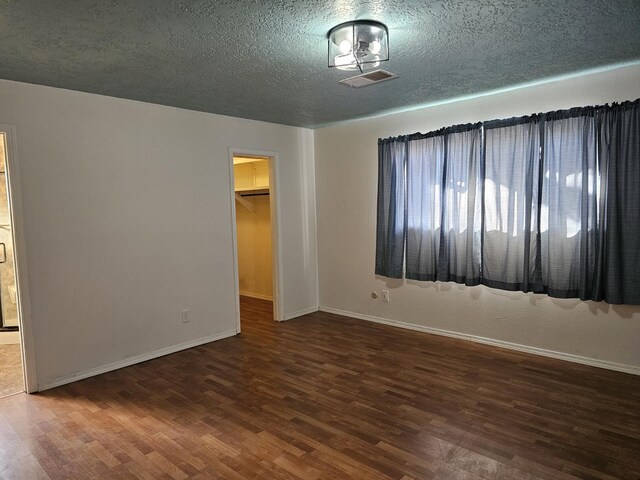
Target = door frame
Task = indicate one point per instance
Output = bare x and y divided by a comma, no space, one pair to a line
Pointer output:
19,258
276,238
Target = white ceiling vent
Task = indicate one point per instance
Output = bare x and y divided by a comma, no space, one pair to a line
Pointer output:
369,78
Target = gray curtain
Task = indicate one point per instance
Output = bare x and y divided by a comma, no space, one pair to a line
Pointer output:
545,203
617,275
568,206
443,206
511,193
459,259
391,224
424,178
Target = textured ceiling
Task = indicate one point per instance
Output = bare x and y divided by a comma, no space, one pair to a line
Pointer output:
267,60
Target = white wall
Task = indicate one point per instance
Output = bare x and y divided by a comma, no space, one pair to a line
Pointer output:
346,176
127,220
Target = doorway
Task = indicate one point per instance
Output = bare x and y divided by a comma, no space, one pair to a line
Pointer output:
11,369
255,231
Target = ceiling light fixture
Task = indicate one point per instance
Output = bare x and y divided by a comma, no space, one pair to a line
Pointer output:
358,45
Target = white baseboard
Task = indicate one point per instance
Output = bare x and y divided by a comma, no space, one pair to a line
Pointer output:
594,362
300,313
74,377
256,295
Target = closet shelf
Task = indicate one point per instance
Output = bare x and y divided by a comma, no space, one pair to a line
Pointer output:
252,191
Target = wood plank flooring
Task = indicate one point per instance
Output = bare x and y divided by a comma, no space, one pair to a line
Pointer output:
10,370
329,397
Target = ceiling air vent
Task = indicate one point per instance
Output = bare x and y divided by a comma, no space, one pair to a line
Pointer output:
370,78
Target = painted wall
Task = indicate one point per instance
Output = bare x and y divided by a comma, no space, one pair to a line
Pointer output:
255,274
127,220
346,176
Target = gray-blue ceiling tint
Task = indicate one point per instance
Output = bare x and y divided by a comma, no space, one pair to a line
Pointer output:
267,60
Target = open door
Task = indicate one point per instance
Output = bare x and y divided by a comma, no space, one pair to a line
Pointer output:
255,228
11,369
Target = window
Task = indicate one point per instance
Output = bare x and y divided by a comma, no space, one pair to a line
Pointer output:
548,203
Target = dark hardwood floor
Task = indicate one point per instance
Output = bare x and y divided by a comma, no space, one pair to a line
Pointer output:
330,397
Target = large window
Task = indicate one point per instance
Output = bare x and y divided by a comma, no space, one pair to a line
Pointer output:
548,203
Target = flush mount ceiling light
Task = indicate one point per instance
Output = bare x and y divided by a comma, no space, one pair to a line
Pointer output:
358,45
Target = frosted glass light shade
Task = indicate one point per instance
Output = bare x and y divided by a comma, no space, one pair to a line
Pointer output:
368,43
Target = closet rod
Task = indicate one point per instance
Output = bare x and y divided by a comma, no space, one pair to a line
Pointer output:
252,194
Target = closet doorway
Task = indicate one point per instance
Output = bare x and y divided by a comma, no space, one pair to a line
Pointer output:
256,238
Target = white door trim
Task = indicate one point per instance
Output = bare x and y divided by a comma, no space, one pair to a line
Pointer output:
20,259
276,245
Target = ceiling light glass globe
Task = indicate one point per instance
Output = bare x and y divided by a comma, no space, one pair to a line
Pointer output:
375,47
345,46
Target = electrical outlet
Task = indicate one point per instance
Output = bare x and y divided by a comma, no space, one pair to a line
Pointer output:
385,295
185,315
